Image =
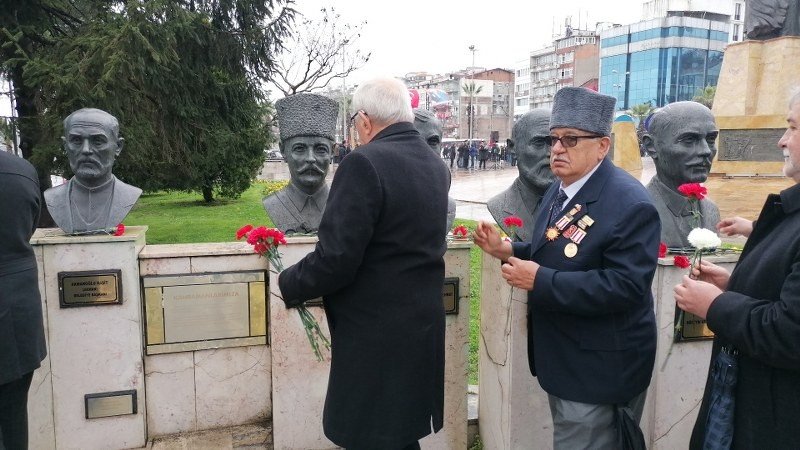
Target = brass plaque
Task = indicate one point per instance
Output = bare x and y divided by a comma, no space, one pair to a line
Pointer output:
693,328
90,288
109,404
206,311
450,295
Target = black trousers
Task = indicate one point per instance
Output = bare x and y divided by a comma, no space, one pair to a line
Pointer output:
14,413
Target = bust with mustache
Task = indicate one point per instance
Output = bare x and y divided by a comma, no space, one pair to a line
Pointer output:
529,139
93,200
307,123
681,139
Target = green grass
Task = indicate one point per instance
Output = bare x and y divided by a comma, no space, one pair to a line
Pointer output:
177,217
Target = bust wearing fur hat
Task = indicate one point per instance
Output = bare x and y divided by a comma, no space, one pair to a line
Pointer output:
587,270
307,123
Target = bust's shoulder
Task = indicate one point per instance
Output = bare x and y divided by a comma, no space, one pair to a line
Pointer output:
56,194
125,192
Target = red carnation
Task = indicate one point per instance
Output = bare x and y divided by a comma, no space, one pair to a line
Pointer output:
120,230
662,250
681,261
243,231
460,231
695,190
512,221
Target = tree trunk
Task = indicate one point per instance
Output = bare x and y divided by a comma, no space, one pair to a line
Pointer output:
208,194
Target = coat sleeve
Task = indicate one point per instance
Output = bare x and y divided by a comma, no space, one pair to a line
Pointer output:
351,214
629,261
763,329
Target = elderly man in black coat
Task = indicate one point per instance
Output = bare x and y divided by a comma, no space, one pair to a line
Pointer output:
379,267
755,314
22,344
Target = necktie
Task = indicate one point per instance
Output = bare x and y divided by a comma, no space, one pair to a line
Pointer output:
558,204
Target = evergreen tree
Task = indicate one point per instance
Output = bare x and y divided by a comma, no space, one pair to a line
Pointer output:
184,79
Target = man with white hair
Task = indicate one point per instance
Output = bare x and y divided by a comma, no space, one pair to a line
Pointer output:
379,267
753,313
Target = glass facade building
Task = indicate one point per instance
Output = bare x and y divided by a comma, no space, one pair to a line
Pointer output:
661,60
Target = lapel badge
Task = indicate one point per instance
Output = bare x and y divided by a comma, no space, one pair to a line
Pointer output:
575,209
570,231
551,234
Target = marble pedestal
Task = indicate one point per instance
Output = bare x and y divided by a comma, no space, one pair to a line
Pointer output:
299,381
751,103
92,349
513,410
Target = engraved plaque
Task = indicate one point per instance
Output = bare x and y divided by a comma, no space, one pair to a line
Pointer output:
211,310
750,145
90,288
109,404
206,311
450,295
693,328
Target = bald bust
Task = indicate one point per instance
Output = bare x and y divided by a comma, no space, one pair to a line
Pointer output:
94,199
430,128
681,139
529,138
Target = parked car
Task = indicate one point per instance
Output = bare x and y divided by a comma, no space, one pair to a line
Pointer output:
274,154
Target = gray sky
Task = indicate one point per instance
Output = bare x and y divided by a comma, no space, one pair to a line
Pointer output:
434,35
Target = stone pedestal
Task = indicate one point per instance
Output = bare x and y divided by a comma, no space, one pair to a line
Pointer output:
299,381
513,410
625,153
92,349
198,389
751,104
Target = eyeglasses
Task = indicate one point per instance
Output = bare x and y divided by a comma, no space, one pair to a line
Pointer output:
353,117
568,141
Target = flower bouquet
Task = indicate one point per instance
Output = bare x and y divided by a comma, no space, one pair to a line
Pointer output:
702,240
265,242
118,230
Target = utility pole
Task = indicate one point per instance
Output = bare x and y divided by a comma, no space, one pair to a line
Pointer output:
471,116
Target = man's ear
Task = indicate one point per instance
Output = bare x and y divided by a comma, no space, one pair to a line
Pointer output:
605,146
649,145
120,144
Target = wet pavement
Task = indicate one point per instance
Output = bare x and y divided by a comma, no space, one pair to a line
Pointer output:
471,188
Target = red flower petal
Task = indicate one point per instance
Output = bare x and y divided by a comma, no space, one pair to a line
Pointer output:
693,190
120,230
662,250
243,231
460,230
681,261
512,221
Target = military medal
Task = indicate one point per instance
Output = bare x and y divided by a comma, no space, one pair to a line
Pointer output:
551,234
570,250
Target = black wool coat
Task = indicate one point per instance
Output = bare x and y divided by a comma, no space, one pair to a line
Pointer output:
22,342
759,314
379,267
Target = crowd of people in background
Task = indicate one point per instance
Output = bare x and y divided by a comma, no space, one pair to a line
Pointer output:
464,154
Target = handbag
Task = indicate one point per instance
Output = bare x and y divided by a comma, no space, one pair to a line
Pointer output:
629,435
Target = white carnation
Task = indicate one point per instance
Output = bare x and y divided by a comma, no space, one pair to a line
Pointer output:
703,238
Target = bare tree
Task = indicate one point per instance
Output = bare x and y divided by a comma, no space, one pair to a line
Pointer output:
321,50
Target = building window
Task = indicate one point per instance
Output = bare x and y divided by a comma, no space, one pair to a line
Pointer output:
736,31
737,15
